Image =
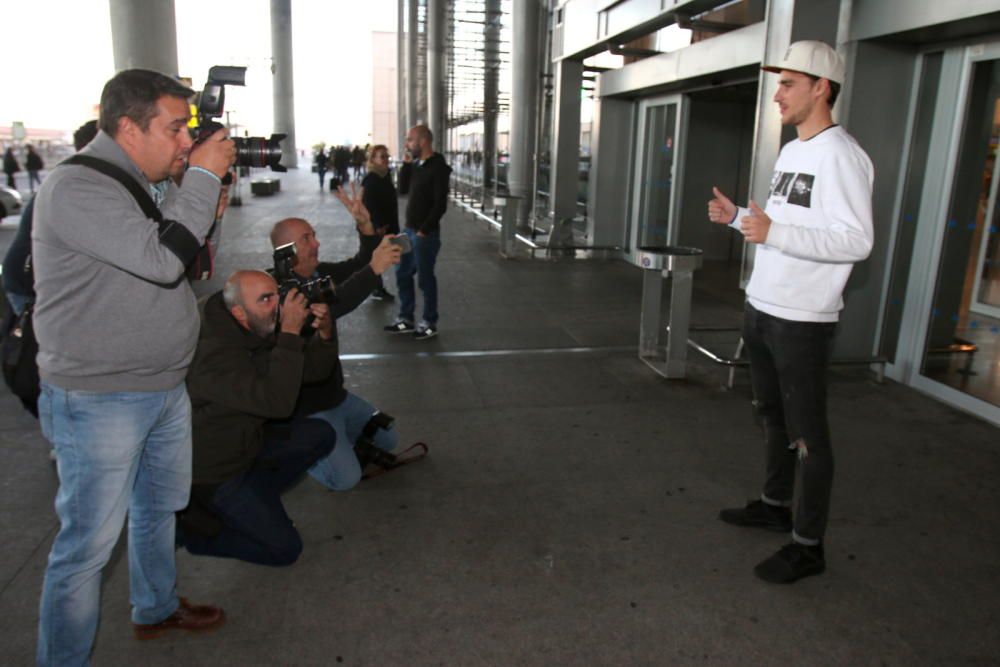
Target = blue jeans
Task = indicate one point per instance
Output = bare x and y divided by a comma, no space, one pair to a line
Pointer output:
421,262
788,365
116,453
256,528
340,470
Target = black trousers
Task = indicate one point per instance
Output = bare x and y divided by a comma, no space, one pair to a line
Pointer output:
788,369
255,527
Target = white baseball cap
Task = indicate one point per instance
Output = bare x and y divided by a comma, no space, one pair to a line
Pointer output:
811,57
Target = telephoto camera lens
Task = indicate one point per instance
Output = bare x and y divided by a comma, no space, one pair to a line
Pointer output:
259,152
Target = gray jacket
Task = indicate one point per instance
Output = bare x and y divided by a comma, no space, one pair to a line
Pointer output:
113,309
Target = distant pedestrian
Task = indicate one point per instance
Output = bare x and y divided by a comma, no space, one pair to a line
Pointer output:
34,164
10,167
320,162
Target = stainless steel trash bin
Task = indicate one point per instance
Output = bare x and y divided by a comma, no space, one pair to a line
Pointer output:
679,263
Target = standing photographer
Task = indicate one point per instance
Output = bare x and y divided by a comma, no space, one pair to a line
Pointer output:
117,326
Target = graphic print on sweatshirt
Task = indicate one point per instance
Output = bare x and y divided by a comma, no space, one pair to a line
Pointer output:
792,188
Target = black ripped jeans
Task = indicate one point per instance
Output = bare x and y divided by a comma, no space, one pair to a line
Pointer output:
788,365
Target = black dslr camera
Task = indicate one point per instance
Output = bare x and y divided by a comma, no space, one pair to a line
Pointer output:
250,151
316,290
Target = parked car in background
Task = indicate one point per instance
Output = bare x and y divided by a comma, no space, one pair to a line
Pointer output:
10,202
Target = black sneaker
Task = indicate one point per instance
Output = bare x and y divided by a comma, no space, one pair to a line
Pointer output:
792,562
399,326
425,331
759,514
382,294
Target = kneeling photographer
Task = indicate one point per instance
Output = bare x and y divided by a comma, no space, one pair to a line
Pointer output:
365,435
248,447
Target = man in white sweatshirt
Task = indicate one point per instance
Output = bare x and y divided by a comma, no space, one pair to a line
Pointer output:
816,224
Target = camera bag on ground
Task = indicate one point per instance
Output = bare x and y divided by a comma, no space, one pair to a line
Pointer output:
197,257
19,348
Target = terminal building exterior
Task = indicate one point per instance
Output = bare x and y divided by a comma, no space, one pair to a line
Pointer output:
631,161
922,96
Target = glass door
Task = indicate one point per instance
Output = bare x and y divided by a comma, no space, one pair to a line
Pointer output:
958,354
656,172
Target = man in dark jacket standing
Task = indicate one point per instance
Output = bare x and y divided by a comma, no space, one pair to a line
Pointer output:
424,177
244,384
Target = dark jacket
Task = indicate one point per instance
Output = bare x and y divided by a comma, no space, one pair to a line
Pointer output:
10,163
381,201
239,380
354,281
17,275
34,161
427,187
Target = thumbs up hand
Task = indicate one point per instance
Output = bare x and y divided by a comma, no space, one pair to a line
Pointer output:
721,209
756,225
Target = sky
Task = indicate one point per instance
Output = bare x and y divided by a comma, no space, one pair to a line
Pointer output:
59,55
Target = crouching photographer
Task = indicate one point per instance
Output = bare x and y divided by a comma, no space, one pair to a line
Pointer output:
364,435
248,446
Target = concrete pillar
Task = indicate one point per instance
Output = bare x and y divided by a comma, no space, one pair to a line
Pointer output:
401,107
281,70
543,109
144,35
565,168
491,79
411,64
437,30
525,66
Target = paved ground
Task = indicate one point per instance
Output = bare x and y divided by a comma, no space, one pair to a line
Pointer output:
566,515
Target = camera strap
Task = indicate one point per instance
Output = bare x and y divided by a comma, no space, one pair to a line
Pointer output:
173,235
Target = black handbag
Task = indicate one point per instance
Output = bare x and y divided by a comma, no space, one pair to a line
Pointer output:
18,352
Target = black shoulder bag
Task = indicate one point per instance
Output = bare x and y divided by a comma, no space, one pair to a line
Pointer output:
197,257
18,351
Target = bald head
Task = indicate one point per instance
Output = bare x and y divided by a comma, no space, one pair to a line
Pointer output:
232,292
252,299
420,142
302,234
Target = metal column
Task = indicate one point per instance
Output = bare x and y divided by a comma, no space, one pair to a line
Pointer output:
282,71
525,61
767,126
491,86
401,107
411,64
436,96
144,35
564,175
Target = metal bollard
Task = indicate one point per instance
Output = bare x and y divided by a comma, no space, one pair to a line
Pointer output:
508,223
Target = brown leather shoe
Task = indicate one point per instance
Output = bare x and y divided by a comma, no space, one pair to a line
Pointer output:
196,618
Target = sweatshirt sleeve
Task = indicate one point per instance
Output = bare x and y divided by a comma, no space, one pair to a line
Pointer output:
103,221
845,196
